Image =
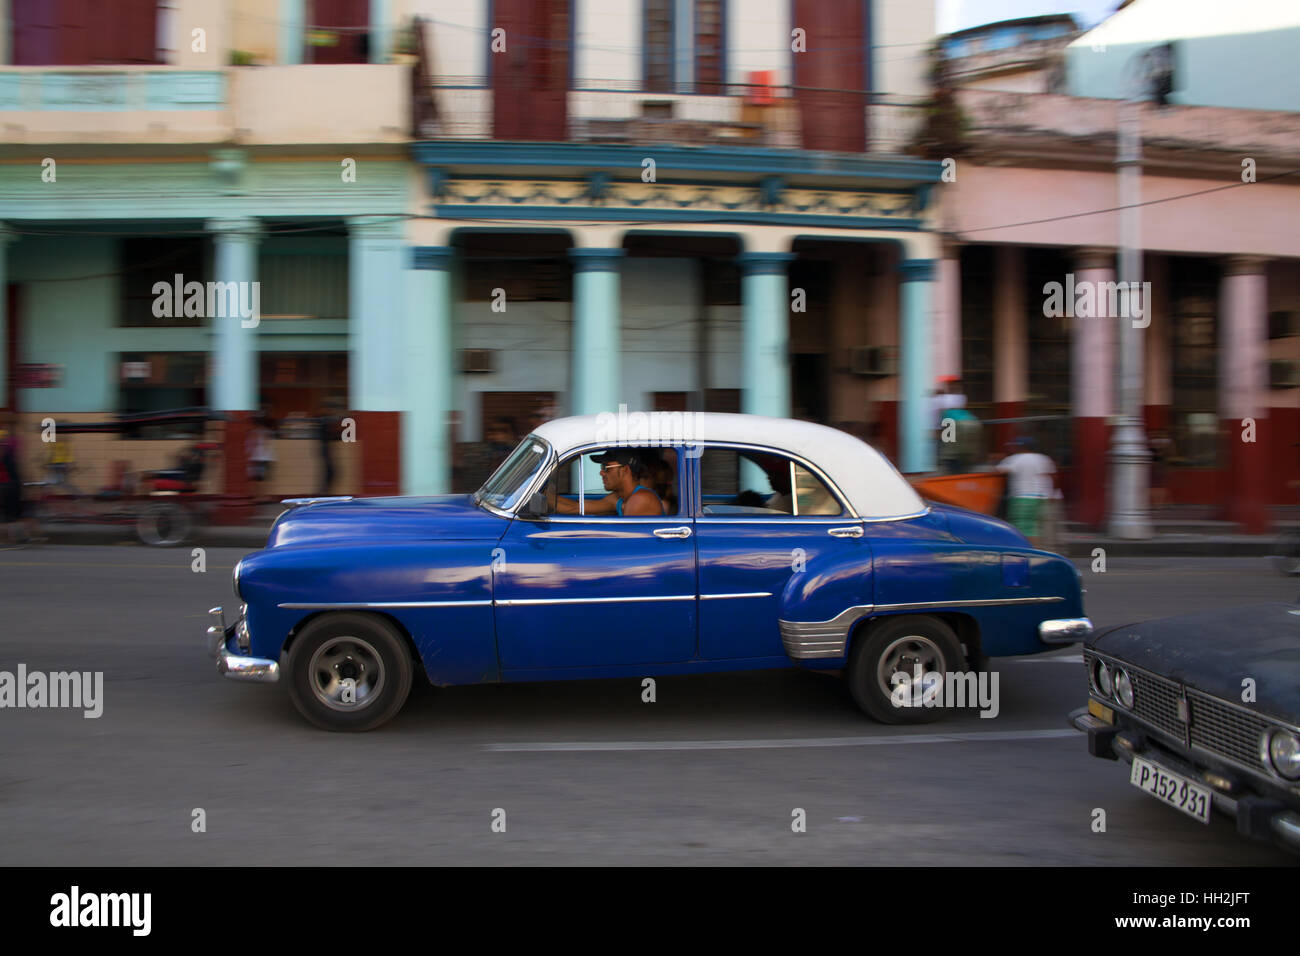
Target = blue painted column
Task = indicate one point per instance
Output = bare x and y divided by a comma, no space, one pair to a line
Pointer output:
381,30
233,386
765,339
915,430
597,314
293,22
377,260
6,236
430,372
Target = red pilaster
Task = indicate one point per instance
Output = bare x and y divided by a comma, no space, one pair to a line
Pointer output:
1088,475
1248,471
235,506
380,436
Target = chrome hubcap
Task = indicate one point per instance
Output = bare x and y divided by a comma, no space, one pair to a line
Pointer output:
911,655
346,673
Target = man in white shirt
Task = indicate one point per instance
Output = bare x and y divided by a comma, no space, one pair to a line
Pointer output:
1029,484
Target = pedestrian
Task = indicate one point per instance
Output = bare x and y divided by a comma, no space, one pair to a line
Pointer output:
327,432
260,452
1030,483
13,512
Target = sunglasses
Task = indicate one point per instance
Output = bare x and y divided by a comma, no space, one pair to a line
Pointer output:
605,468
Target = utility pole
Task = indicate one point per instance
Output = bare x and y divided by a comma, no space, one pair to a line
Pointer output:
1130,455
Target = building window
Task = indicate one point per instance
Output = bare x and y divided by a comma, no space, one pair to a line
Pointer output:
1194,406
710,46
338,31
977,281
156,382
295,387
155,273
76,33
518,280
304,282
657,46
1049,359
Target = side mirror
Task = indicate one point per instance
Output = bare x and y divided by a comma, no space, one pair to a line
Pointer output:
535,506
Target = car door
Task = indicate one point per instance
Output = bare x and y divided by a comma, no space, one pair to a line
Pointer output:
761,517
590,591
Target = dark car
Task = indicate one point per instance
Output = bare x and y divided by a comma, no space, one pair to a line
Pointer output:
1205,709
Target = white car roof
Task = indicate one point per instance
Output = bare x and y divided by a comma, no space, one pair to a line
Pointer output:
873,486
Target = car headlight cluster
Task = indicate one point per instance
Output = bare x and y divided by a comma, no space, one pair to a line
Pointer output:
1113,682
1283,751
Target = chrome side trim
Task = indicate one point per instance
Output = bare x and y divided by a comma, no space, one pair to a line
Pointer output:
523,602
989,602
738,594
369,604
811,639
805,640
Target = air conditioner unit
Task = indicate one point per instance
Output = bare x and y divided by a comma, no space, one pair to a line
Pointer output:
1283,374
878,361
478,360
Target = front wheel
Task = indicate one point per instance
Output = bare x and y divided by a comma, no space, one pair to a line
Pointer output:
897,670
349,672
164,524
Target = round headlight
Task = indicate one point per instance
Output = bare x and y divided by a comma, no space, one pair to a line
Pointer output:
1123,688
1284,753
1101,677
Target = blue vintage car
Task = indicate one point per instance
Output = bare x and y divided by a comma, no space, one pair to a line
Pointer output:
731,542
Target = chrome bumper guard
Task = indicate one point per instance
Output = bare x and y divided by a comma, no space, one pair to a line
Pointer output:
232,663
1065,631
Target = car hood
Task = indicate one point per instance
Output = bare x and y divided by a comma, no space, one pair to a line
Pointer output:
1217,651
385,519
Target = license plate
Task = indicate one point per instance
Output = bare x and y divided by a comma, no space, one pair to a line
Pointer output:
1171,788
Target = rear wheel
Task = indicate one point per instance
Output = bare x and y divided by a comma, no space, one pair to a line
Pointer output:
897,669
349,672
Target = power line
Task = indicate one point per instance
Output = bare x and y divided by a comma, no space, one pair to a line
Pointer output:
1149,202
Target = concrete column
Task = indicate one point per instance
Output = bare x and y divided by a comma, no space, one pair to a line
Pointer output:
765,335
292,24
381,30
1243,349
597,319
1092,388
915,380
430,372
8,398
947,313
1010,340
233,386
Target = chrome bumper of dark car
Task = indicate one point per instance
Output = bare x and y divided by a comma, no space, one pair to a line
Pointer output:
226,644
1258,817
1068,630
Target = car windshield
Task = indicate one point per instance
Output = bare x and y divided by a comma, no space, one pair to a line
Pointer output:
507,483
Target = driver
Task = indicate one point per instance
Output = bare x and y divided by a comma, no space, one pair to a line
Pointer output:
621,472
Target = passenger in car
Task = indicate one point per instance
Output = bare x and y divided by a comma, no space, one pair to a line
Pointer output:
622,472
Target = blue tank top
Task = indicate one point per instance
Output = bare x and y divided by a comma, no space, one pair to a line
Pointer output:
619,504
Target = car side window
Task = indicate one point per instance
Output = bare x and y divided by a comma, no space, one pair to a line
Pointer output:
658,472
742,482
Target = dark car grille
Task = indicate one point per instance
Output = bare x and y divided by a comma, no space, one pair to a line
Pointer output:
1155,700
1216,727
1226,731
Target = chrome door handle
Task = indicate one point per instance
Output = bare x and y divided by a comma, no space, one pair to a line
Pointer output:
682,532
852,531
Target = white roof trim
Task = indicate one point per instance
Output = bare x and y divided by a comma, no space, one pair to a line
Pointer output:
873,486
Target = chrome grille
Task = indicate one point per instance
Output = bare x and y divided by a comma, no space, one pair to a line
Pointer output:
1227,731
1155,700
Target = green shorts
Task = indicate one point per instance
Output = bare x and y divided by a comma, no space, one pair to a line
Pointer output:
1026,514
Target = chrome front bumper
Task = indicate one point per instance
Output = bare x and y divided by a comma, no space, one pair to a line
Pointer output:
233,663
1065,631
1256,816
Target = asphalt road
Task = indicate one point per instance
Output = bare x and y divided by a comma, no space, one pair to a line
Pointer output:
585,772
